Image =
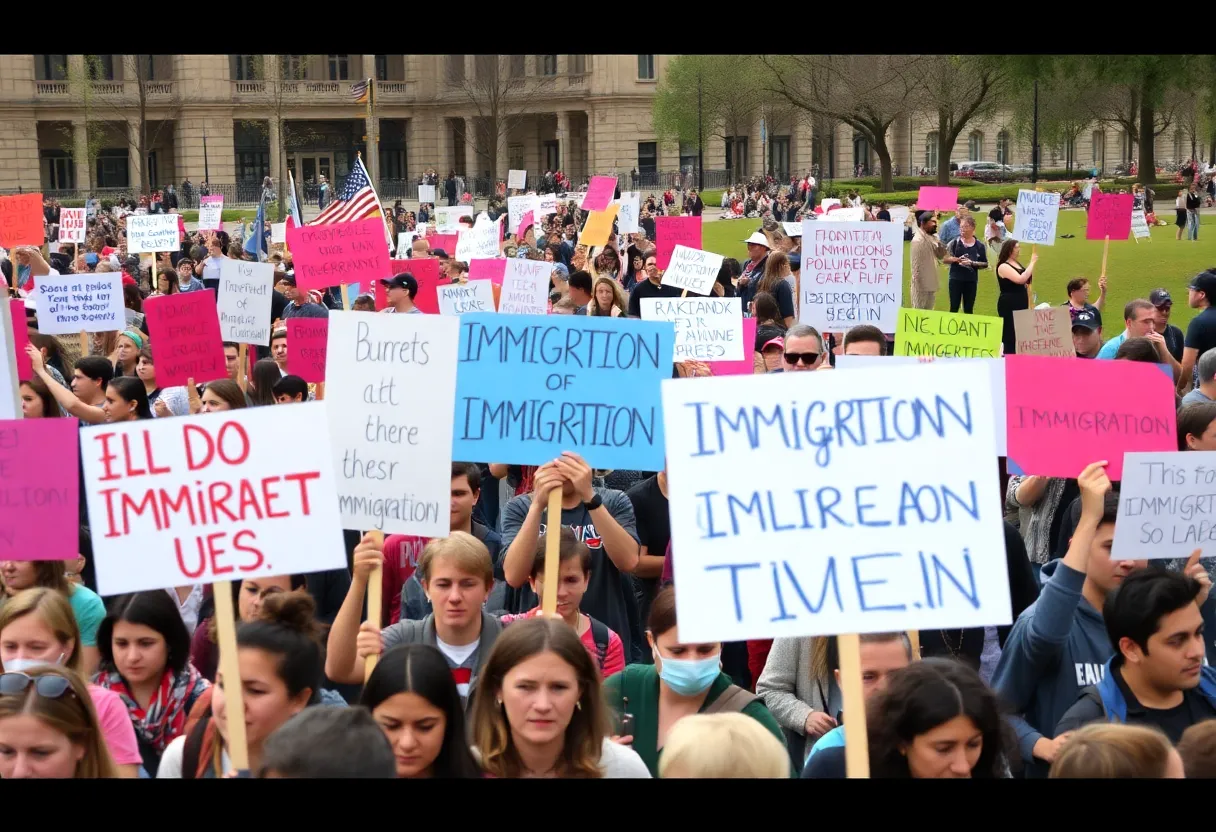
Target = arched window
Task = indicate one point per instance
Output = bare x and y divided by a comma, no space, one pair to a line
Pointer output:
931,150
1099,148
975,146
1178,153
1002,147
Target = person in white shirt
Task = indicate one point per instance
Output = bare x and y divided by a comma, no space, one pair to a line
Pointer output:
401,290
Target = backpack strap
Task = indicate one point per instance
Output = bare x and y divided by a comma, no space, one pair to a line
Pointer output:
732,701
600,634
194,748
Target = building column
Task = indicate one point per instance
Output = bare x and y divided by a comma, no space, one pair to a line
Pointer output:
503,162
563,141
755,151
472,164
590,169
443,137
80,154
134,179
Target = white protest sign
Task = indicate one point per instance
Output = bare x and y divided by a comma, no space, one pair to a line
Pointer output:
426,193
996,370
480,241
887,518
459,298
826,204
212,497
843,215
1036,217
707,329
899,213
852,273
152,232
692,269
211,213
72,303
517,209
246,289
278,232
548,204
517,179
71,225
627,216
10,399
405,241
1139,225
447,220
525,287
1167,506
391,384
792,229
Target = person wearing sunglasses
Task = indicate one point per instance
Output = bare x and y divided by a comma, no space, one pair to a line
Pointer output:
803,349
48,728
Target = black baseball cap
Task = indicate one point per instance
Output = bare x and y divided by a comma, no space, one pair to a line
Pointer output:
1087,319
1205,282
439,253
405,281
1159,298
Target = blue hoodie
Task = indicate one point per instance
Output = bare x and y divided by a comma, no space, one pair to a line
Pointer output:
1107,700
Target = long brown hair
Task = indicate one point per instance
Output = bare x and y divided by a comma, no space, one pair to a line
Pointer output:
618,298
72,715
584,741
50,407
775,270
1006,254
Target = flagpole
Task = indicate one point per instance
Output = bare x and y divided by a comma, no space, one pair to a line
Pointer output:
371,97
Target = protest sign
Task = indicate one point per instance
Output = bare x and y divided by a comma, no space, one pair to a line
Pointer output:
829,204
39,490
627,217
707,329
1044,331
947,334
1063,415
525,287
212,497
852,273
444,242
392,394
1167,506
1110,217
73,303
245,293
342,252
10,378
693,270
278,232
745,366
1140,227
529,220
518,207
21,221
462,298
890,519
899,213
792,229
211,213
152,233
186,340
486,269
307,342
517,179
405,242
548,205
91,206
937,198
71,225
479,241
426,271
675,231
599,193
1037,214
426,193
843,215
447,220
598,227
20,338
530,387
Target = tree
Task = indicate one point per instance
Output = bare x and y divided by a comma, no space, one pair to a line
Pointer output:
960,89
1065,109
80,87
279,80
501,94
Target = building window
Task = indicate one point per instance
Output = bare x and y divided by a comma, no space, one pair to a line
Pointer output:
546,64
244,68
736,155
1002,147
455,69
294,67
550,157
975,146
58,171
252,165
486,66
382,67
931,151
779,156
145,67
392,164
112,169
648,157
339,67
1178,145
645,67
1098,143
577,64
51,67
100,67
518,65
688,156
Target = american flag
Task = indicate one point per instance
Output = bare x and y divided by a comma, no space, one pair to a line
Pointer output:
358,199
358,90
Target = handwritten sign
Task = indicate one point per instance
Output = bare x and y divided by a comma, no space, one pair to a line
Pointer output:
485,269
152,233
71,225
212,497
899,213
525,287
211,212
447,220
392,391
517,179
598,226
21,221
694,270
462,298
1044,332
186,340
1166,506
1110,215
479,241
426,194
707,329
548,205
518,207
39,489
21,337
1037,214
528,221
444,242
426,271
599,193
530,387
829,204
843,215
947,334
937,198
307,343
74,303
852,273
1063,415
891,521
278,233
627,216
792,229
246,289
745,366
1140,228
343,252
10,401
675,231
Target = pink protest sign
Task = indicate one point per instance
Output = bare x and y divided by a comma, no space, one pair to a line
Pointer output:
343,252
488,269
1064,413
524,222
447,242
186,342
675,231
937,198
381,295
21,337
1110,215
426,271
39,489
307,339
746,366
599,193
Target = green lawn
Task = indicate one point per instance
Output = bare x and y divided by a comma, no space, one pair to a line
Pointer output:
1133,269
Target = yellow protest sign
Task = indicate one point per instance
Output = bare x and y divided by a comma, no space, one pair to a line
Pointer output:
947,334
599,226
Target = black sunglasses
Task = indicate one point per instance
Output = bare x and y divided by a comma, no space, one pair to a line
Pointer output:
48,687
807,358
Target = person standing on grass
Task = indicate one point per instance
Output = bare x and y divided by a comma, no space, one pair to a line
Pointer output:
1201,332
966,257
1078,296
926,251
1194,200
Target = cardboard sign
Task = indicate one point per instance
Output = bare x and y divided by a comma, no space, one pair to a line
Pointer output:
548,205
212,497
1063,415
525,287
844,215
20,338
307,343
707,329
852,273
627,216
462,298
491,270
391,392
73,303
186,340
599,193
675,231
447,220
892,522
1037,214
746,366
694,270
426,194
1110,216
598,227
1140,228
211,213
792,229
530,387
71,225
1165,506
947,334
426,271
246,289
518,207
39,489
405,243
517,179
446,242
152,233
343,252
10,400
479,241
899,214
829,204
21,221
278,232
1044,332
937,198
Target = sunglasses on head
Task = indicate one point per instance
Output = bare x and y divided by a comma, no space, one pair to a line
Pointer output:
807,358
48,687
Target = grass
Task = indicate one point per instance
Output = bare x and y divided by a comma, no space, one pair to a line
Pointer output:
235,214
1133,269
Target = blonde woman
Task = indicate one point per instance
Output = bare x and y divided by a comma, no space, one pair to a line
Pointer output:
49,729
608,298
1117,751
724,745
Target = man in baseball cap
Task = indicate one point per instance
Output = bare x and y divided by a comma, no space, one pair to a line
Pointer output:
1087,333
401,290
1201,332
1163,304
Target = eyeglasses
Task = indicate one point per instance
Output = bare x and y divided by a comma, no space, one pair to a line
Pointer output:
48,687
807,358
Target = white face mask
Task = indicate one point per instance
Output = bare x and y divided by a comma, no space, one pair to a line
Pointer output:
23,665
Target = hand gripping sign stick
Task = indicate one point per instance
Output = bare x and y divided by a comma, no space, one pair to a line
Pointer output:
375,595
225,619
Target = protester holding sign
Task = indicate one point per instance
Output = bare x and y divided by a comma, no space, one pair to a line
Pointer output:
1201,332
37,401
91,377
1012,279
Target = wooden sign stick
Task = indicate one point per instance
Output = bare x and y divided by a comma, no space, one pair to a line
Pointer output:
857,744
375,595
1105,252
230,666
241,376
84,343
346,298
552,552
914,640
